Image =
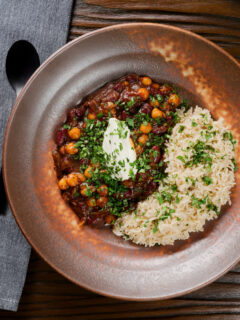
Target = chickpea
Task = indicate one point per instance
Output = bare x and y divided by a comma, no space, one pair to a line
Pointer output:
110,105
156,113
62,183
91,116
113,112
174,100
128,183
70,148
81,177
132,143
62,150
102,201
143,93
74,133
88,172
91,202
154,103
155,85
166,106
143,139
139,149
146,128
109,219
95,165
165,89
126,83
146,81
72,180
84,191
103,190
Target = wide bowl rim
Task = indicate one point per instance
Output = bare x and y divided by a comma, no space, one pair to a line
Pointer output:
4,164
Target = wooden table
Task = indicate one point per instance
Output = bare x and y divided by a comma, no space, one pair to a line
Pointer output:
47,295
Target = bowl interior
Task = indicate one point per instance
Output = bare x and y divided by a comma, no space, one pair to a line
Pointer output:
95,258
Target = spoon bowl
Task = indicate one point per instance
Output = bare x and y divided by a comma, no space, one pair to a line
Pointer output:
22,60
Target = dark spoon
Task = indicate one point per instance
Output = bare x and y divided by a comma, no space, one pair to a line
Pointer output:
22,60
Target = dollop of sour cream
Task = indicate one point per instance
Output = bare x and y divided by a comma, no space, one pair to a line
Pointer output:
119,152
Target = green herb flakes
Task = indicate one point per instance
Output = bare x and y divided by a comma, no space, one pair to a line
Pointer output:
207,180
181,128
155,228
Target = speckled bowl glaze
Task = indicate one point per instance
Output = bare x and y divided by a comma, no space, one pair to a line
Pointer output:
92,258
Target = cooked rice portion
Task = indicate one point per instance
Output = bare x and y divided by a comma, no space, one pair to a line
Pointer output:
200,174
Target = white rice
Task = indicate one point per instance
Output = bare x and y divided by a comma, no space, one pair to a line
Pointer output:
189,202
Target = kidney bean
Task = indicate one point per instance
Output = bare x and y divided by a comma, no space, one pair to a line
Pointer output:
132,78
157,158
118,86
150,188
71,115
134,108
83,161
135,87
165,89
128,194
159,129
124,115
146,108
153,91
132,193
156,148
110,95
80,111
95,220
61,136
142,178
127,95
168,119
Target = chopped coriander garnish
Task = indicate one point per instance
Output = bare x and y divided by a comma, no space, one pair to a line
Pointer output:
130,123
235,164
207,180
67,126
181,128
159,98
131,102
194,123
181,158
100,115
76,194
228,136
155,228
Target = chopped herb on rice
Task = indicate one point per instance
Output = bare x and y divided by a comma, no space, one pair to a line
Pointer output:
188,196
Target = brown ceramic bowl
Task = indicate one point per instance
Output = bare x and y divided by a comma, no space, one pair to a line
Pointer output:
92,258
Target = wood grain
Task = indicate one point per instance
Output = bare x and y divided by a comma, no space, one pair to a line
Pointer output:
218,21
218,7
47,295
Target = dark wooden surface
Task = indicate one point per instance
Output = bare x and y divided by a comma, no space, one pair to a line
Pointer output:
47,295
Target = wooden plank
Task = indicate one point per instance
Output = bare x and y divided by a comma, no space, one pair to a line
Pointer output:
47,295
222,26
217,7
